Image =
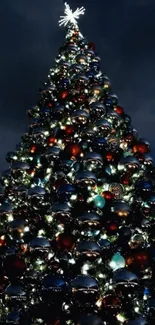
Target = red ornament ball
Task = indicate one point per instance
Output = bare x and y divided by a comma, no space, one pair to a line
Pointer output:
73,150
50,105
70,129
63,94
111,302
138,260
65,242
119,110
111,227
33,148
141,147
111,157
107,195
51,141
126,179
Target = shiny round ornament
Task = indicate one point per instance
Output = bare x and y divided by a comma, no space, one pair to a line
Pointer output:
76,68
113,118
97,109
121,209
125,178
99,144
99,201
36,195
108,102
80,80
89,224
103,127
51,141
136,241
52,153
108,196
146,159
65,191
81,59
60,211
39,244
85,178
87,133
53,289
119,110
142,146
113,143
16,228
117,262
89,55
125,277
63,94
80,117
110,304
15,292
72,150
65,242
143,187
129,163
114,99
64,65
111,157
14,266
96,91
92,160
33,149
84,289
117,190
72,48
70,129
88,249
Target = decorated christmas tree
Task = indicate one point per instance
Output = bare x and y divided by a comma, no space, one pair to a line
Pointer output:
77,204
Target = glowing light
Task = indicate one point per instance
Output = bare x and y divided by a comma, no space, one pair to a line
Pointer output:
70,16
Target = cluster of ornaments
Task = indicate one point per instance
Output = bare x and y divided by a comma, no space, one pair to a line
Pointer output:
77,205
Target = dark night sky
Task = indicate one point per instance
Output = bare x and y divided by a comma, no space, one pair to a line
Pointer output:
124,34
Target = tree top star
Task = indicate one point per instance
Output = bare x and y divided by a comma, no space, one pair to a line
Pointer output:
70,16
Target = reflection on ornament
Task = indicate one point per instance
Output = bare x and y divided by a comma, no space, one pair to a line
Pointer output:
99,201
117,190
117,262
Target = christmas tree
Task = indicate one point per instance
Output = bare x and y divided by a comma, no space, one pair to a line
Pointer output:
77,205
